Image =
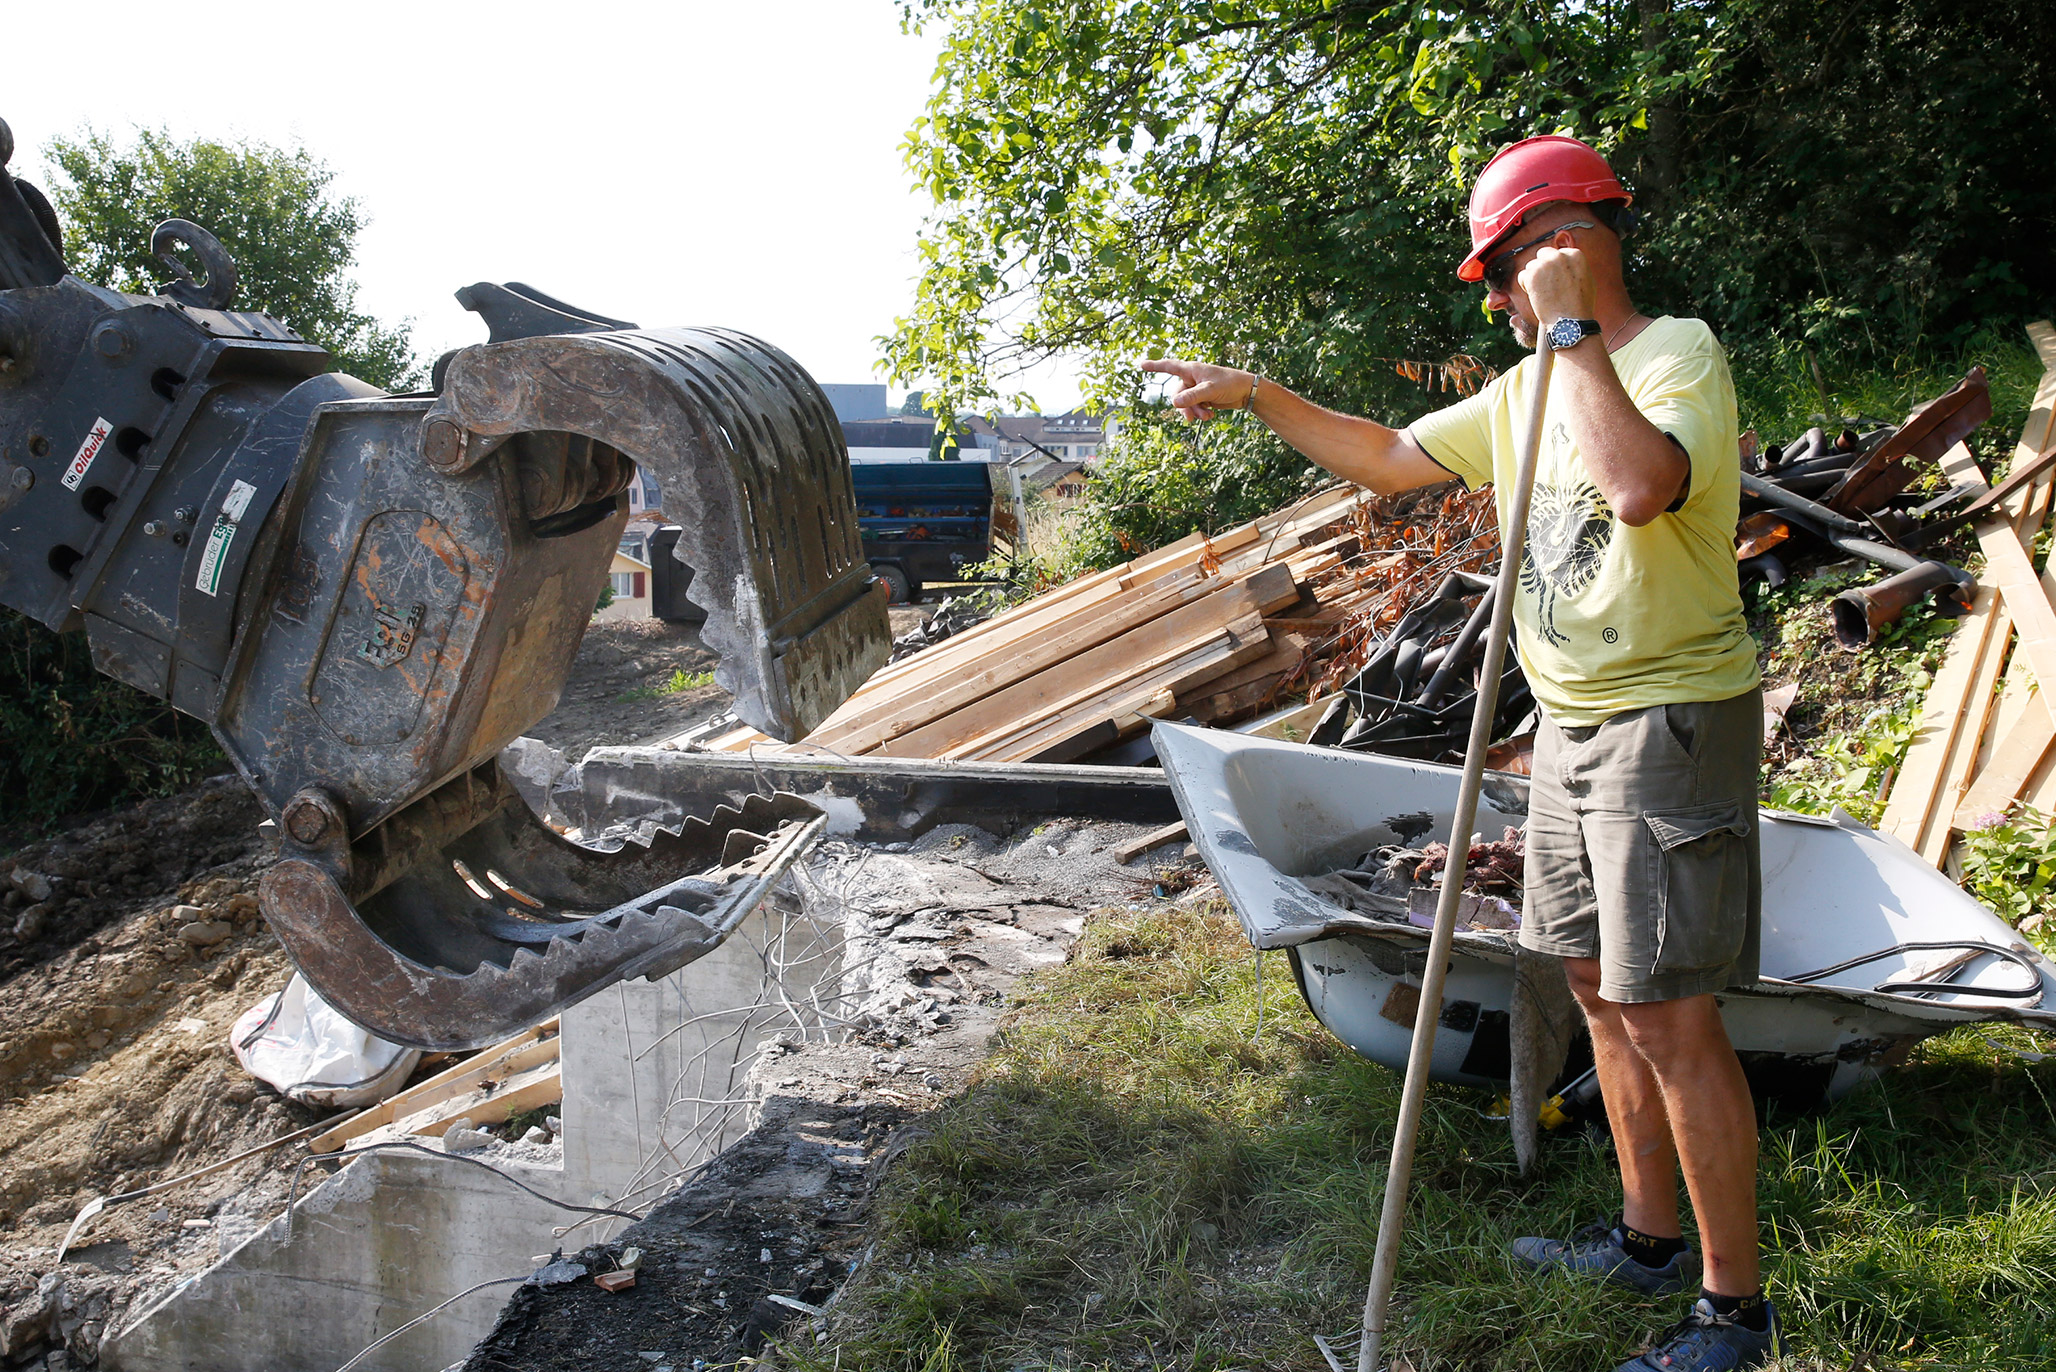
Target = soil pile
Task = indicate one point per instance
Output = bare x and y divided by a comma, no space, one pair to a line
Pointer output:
134,943
128,946
636,681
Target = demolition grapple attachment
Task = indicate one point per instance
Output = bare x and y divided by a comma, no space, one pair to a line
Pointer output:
368,596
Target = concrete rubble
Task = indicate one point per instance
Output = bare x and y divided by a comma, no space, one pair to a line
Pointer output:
753,1097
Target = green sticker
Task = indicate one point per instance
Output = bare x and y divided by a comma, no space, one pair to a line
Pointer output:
219,538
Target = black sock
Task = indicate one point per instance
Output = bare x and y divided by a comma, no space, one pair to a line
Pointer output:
1648,1249
1748,1311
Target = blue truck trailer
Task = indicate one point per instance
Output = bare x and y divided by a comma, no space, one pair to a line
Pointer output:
924,521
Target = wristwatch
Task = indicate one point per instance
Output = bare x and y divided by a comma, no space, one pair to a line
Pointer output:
1569,333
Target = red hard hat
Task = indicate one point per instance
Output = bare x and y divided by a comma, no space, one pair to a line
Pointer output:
1533,172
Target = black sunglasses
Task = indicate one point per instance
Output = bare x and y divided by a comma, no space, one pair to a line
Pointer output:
1499,271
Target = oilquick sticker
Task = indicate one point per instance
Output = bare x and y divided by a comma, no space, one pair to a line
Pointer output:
222,537
82,462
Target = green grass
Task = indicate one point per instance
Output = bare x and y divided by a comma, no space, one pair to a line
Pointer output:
1144,1176
1780,396
679,680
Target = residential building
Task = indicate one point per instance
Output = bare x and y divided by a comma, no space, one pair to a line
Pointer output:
645,497
630,574
1073,436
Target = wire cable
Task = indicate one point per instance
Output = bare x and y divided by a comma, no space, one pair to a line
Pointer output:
293,1193
424,1318
2033,988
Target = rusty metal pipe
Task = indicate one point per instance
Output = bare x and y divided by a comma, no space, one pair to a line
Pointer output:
1864,612
1775,494
1769,566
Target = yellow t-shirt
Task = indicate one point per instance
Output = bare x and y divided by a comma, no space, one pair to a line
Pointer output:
1613,618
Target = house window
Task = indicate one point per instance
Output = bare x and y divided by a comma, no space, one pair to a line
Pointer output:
625,584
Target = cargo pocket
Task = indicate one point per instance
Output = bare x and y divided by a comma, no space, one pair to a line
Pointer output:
1700,876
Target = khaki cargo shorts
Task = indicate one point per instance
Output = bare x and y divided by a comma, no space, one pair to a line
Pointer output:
1642,848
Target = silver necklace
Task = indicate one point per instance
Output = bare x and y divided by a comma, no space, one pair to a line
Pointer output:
1608,340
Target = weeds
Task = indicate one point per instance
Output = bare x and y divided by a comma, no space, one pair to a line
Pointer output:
2009,863
1144,1177
679,680
1855,714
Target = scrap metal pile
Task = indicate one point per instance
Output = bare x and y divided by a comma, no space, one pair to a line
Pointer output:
1852,495
1401,883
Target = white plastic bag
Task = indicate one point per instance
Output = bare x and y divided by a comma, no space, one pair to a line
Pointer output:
302,1045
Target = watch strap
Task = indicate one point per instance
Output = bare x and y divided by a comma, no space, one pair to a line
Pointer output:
1587,328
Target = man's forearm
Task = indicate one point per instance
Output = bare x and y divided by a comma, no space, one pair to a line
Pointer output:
1360,450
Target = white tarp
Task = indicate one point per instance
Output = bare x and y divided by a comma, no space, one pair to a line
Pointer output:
302,1045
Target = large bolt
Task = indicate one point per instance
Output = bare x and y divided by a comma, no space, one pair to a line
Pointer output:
112,342
23,478
307,820
442,443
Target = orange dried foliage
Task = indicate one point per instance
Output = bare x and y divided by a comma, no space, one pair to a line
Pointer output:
1460,372
1406,545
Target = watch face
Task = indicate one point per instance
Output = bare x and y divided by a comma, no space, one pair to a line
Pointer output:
1566,333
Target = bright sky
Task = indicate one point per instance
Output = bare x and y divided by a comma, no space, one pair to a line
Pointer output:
692,162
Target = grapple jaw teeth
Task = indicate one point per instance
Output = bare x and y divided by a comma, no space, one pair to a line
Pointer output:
508,923
738,434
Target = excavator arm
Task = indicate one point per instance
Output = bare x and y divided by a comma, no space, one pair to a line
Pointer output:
368,596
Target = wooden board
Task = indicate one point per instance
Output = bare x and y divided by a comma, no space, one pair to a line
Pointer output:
1051,690
1910,809
1231,647
1938,778
530,1089
882,716
538,1044
1156,838
1963,749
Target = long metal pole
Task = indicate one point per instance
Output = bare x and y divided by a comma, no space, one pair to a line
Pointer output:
1512,539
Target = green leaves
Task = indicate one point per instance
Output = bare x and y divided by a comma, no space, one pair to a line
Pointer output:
1282,183
2010,863
293,242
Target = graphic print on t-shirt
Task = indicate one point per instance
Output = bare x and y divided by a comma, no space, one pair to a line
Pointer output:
1568,530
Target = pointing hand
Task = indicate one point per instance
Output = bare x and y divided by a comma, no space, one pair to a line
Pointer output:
1205,389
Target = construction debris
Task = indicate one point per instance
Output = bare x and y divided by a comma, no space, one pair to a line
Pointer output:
1211,629
1849,496
1987,737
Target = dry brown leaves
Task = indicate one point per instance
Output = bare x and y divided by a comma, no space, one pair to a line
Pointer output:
1406,545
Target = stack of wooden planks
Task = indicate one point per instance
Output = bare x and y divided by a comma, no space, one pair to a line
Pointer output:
1987,735
1213,629
491,1086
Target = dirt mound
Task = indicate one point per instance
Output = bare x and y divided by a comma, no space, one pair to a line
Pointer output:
132,945
116,1004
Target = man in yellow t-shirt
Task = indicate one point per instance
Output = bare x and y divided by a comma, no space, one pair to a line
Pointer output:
1642,870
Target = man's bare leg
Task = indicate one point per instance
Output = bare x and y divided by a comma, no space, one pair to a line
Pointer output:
1713,1127
1635,1109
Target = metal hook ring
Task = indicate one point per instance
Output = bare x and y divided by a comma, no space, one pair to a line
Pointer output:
219,286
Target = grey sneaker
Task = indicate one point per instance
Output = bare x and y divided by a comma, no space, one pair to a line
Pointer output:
1595,1251
1706,1342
